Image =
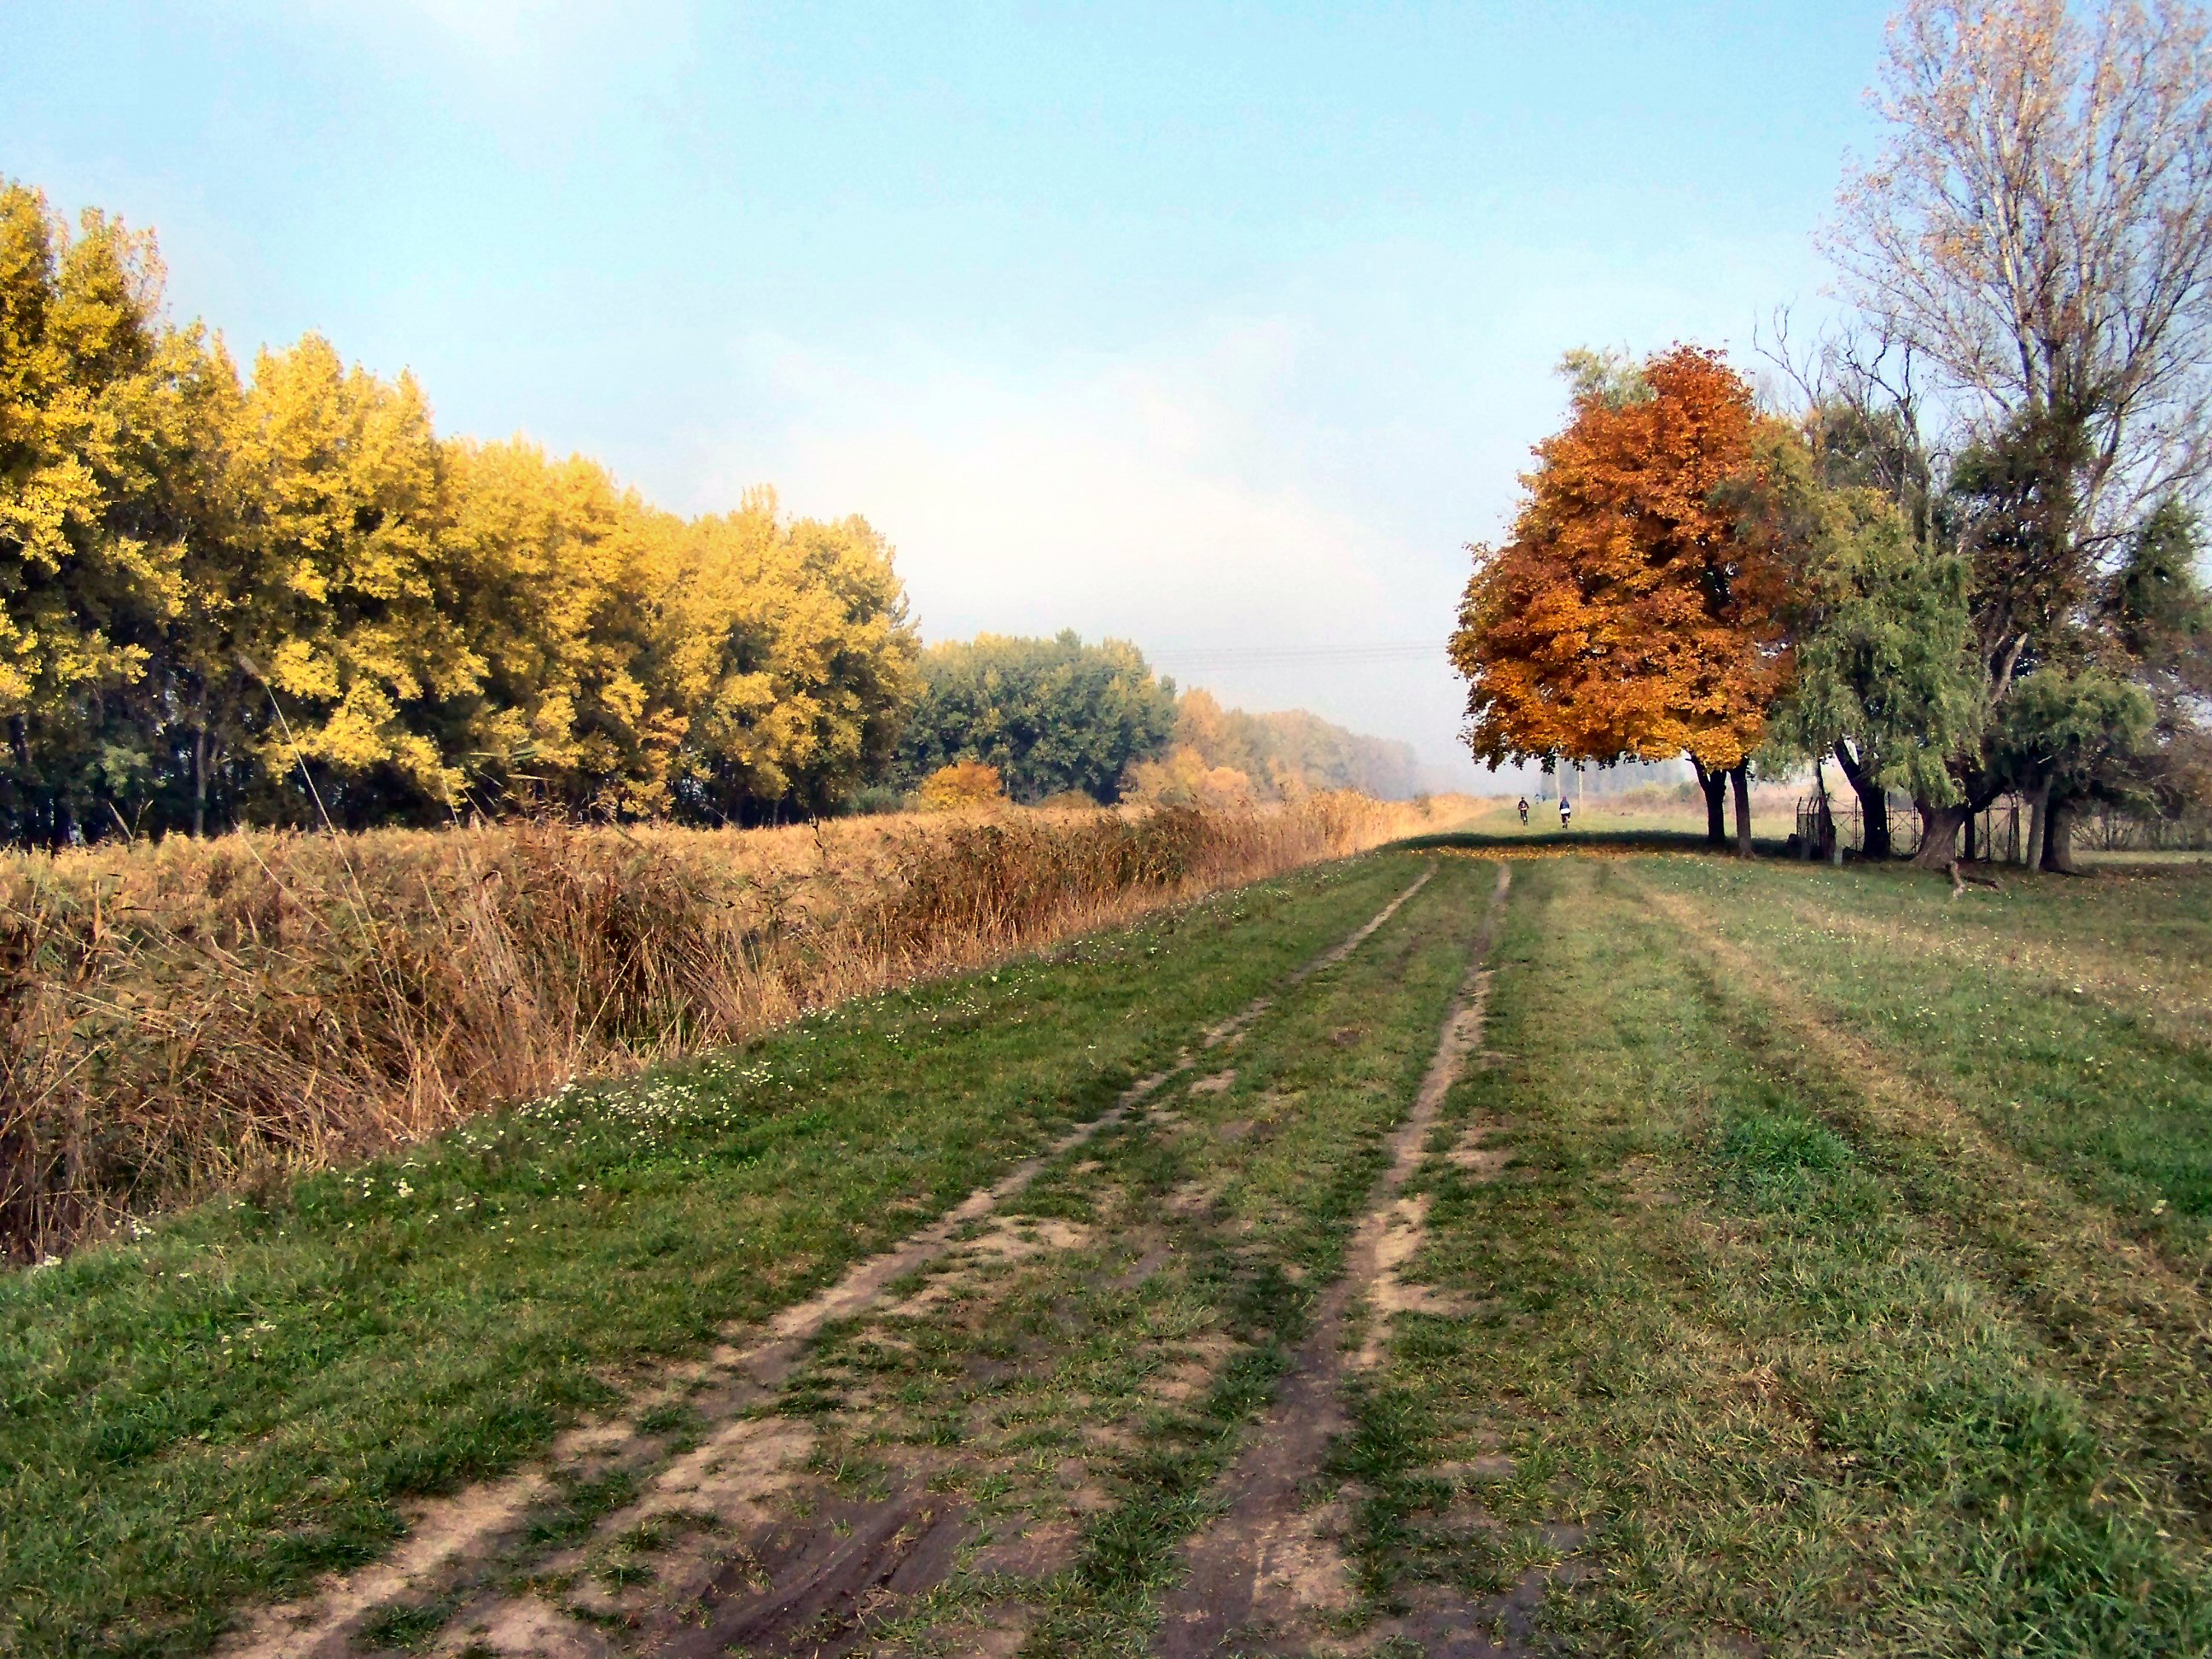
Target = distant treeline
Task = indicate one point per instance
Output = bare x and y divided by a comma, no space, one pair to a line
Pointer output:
282,597
1059,718
1221,755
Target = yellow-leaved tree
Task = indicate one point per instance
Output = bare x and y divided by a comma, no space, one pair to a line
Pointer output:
791,652
266,601
562,574
346,517
91,413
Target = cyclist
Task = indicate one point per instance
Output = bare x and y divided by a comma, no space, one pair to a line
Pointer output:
1524,811
1566,813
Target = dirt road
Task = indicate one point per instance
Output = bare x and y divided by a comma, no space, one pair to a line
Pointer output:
1111,1377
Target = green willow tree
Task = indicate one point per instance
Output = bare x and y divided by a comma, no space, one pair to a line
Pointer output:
1885,678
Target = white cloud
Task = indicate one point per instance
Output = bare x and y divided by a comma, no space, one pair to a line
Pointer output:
1298,476
1146,497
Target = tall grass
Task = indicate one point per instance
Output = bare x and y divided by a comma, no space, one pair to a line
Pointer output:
180,1017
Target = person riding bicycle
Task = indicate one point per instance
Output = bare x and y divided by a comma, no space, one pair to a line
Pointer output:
1566,813
1524,810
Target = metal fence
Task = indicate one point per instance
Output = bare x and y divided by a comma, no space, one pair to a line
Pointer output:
1996,835
2123,832
1999,833
1825,826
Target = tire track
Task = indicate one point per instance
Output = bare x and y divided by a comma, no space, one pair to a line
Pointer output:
457,1542
1269,1570
2131,1329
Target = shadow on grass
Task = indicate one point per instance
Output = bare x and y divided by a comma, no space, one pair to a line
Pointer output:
1527,843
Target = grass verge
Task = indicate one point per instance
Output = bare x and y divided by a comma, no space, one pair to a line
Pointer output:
1743,1356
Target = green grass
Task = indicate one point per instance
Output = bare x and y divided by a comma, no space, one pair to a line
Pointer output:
1206,1234
2069,1067
240,1401
1282,1214
1845,1292
1816,1373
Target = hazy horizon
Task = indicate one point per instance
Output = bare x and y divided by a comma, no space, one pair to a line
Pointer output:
1221,333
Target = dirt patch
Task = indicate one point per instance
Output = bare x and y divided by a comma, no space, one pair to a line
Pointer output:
1008,1239
1155,1256
1490,1466
527,1627
1405,1230
1272,1569
1217,1083
997,1641
818,1589
1474,1158
1189,1200
438,1534
1194,1373
1444,1624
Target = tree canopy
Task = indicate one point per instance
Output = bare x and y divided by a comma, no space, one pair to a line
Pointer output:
267,598
1054,716
2032,256
1634,612
1886,675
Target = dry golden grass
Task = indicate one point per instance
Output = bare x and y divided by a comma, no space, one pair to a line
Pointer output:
177,1017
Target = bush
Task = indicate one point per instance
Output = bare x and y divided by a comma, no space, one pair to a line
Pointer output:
875,800
963,783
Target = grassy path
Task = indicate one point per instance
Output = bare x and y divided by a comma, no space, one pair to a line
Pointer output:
1664,1256
254,1394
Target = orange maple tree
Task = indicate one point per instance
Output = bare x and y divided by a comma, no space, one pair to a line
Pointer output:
1632,614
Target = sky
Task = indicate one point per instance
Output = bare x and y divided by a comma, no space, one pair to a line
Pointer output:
1219,328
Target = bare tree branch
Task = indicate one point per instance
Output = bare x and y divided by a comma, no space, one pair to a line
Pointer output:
2038,231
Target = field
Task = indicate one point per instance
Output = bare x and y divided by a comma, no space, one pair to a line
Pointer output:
1444,1250
181,1018
1641,812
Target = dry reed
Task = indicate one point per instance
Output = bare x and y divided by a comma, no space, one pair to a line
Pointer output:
177,1017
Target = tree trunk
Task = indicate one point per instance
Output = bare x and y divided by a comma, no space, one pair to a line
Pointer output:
1713,784
19,744
199,775
2058,838
2038,815
1741,778
1874,805
1939,835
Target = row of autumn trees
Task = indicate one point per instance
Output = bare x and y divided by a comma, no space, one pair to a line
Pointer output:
227,598
1965,560
285,598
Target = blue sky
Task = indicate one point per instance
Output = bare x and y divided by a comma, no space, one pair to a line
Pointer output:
1217,327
